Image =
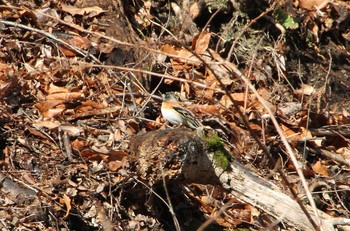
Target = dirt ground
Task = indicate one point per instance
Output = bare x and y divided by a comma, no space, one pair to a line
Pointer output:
79,80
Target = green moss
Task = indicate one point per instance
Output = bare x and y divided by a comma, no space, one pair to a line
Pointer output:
221,157
285,19
214,141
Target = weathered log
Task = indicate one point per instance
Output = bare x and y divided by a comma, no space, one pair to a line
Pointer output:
178,154
183,157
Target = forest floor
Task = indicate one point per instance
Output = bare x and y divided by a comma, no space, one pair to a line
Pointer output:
79,79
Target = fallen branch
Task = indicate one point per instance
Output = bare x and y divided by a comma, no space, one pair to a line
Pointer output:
182,157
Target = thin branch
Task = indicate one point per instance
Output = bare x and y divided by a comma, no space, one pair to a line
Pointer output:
51,36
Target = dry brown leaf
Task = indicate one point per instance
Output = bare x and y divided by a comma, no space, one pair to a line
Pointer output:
69,96
346,35
55,100
53,89
255,103
289,133
305,90
169,49
264,93
103,219
77,41
35,132
144,15
345,152
237,97
117,155
117,164
89,105
90,154
39,13
255,127
320,168
210,78
186,88
71,130
77,144
187,57
94,112
184,60
205,109
4,86
313,4
194,10
91,11
47,124
82,166
226,81
305,133
46,105
117,135
66,201
114,165
51,113
201,43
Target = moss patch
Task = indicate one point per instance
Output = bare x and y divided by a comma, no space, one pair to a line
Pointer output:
222,157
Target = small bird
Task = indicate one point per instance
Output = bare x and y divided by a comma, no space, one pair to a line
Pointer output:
177,114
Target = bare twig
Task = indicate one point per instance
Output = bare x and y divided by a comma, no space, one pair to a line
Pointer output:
336,157
153,74
51,36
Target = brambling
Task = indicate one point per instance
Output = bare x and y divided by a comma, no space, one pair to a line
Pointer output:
176,114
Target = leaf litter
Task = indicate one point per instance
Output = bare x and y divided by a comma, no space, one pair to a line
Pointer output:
71,101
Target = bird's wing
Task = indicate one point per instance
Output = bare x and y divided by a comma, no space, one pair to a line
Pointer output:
189,117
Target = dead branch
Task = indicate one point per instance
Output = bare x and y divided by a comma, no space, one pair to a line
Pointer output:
184,158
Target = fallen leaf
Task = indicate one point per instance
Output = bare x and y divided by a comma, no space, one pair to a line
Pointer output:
320,168
194,10
66,200
41,14
48,109
78,144
71,130
201,42
313,4
188,57
204,109
305,90
184,59
114,165
77,41
92,11
53,89
169,49
289,133
237,97
117,155
36,132
47,124
264,93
